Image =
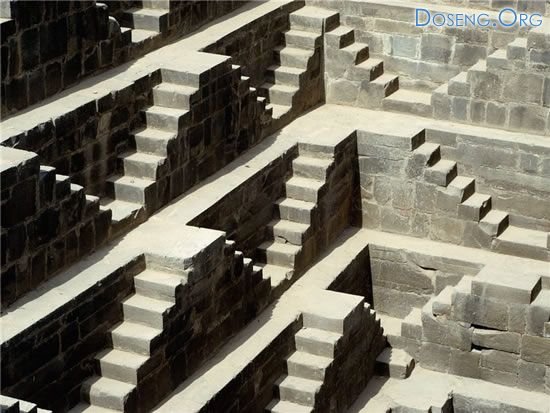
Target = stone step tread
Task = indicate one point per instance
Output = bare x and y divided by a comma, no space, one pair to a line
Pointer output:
370,63
307,359
427,148
312,11
296,204
147,303
414,317
494,216
87,408
444,165
131,181
391,325
286,225
355,47
102,385
174,87
283,406
303,33
153,133
147,11
305,182
286,69
280,87
461,181
295,51
120,209
135,330
275,273
310,161
163,110
315,334
160,277
499,53
122,358
383,78
299,383
280,247
477,200
139,35
341,30
412,96
278,110
524,236
394,356
143,157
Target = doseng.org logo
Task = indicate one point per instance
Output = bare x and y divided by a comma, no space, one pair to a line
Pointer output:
507,17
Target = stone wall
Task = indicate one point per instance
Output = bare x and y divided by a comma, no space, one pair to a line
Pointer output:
47,223
510,90
48,46
47,364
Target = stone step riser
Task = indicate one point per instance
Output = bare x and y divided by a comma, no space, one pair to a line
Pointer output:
132,344
302,42
367,73
304,170
299,396
317,348
291,60
293,237
282,259
414,108
121,373
305,371
172,99
156,291
143,316
144,170
153,146
140,21
108,401
133,194
314,24
303,216
280,97
284,78
301,193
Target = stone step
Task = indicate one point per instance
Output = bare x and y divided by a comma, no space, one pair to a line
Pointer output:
517,49
523,242
285,75
307,366
312,168
317,342
274,273
498,59
355,53
9,404
442,173
303,189
295,210
277,253
370,69
62,186
314,19
462,188
279,94
459,85
122,365
175,96
168,119
278,111
302,39
495,222
153,141
394,363
504,285
158,284
298,390
409,101
411,326
426,155
92,205
340,37
131,189
285,231
123,213
384,85
109,394
141,36
144,165
145,19
292,56
145,310
475,207
279,406
134,337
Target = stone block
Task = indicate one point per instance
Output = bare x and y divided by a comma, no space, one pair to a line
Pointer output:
468,54
465,363
538,314
405,46
503,284
498,340
446,332
523,87
436,48
531,118
435,357
531,376
499,360
535,349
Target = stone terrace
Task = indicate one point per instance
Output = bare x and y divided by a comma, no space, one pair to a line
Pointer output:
268,206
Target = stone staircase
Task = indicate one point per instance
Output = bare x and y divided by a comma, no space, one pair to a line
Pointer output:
393,362
147,21
11,405
477,207
133,358
345,56
286,251
137,186
297,61
321,348
411,101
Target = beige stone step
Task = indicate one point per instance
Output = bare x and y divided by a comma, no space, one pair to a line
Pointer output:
355,53
495,222
168,119
307,366
312,168
279,94
158,284
475,207
292,56
339,37
275,273
153,141
523,242
409,101
394,363
134,337
288,231
276,253
302,39
146,19
142,36
303,189
314,19
278,111
285,75
442,173
295,210
175,96
108,393
298,390
461,188
280,406
144,165
318,342
124,214
122,365
145,310
131,189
